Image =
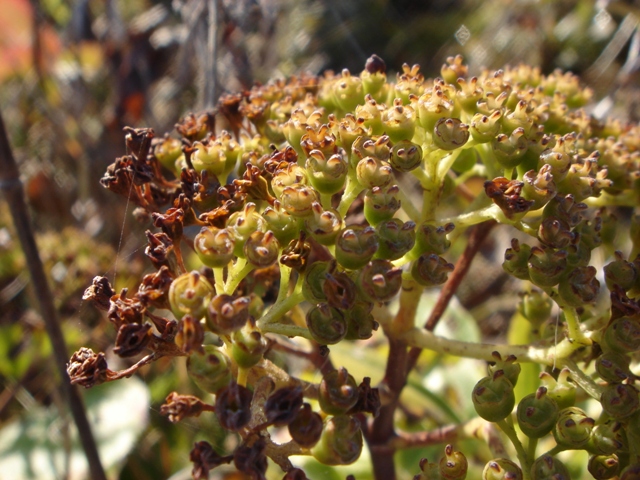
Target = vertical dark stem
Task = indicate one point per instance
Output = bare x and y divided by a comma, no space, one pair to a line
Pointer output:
14,193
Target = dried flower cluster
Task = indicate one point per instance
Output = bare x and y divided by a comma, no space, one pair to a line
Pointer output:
316,206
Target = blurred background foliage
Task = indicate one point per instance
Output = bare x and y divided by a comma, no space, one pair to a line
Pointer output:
74,73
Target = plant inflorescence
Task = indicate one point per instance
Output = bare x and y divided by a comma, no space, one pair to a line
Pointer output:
317,210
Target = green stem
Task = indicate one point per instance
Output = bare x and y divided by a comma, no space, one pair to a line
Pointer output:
218,276
408,206
325,200
583,380
491,212
285,276
507,428
531,449
237,272
351,192
286,330
279,309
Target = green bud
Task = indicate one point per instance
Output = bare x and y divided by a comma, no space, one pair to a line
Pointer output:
283,225
520,117
546,266
613,367
554,233
326,324
360,321
242,224
450,134
620,272
210,370
429,470
262,249
340,443
431,270
580,287
292,175
566,209
468,93
381,204
622,335
188,294
379,280
297,200
603,467
338,392
212,157
573,428
405,156
371,114
539,186
536,307
295,127
620,401
168,151
374,78
355,246
510,368
226,314
561,390
348,130
214,246
493,397
453,466
484,128
371,172
324,225
516,260
395,238
537,414
313,281
501,469
376,148
433,106
548,468
327,175
558,163
433,239
399,122
606,438
348,92
249,345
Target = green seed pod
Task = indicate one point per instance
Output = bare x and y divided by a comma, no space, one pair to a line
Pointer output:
431,270
379,280
348,92
214,246
539,187
360,321
561,390
340,443
324,225
469,93
555,233
613,367
558,162
306,427
348,130
405,156
327,176
262,249
188,294
485,128
508,150
338,392
433,106
578,255
210,370
371,114
429,470
326,324
168,151
453,466
283,225
516,260
537,414
450,134
620,273
297,200
606,438
432,239
510,368
622,335
501,469
340,290
603,467
313,281
580,287
371,172
319,138
493,397
242,224
548,468
395,238
377,148
355,246
620,401
226,314
573,428
212,158
249,345
399,122
381,204
536,307
566,209
546,266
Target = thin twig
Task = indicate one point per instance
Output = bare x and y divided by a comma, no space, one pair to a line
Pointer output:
14,193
